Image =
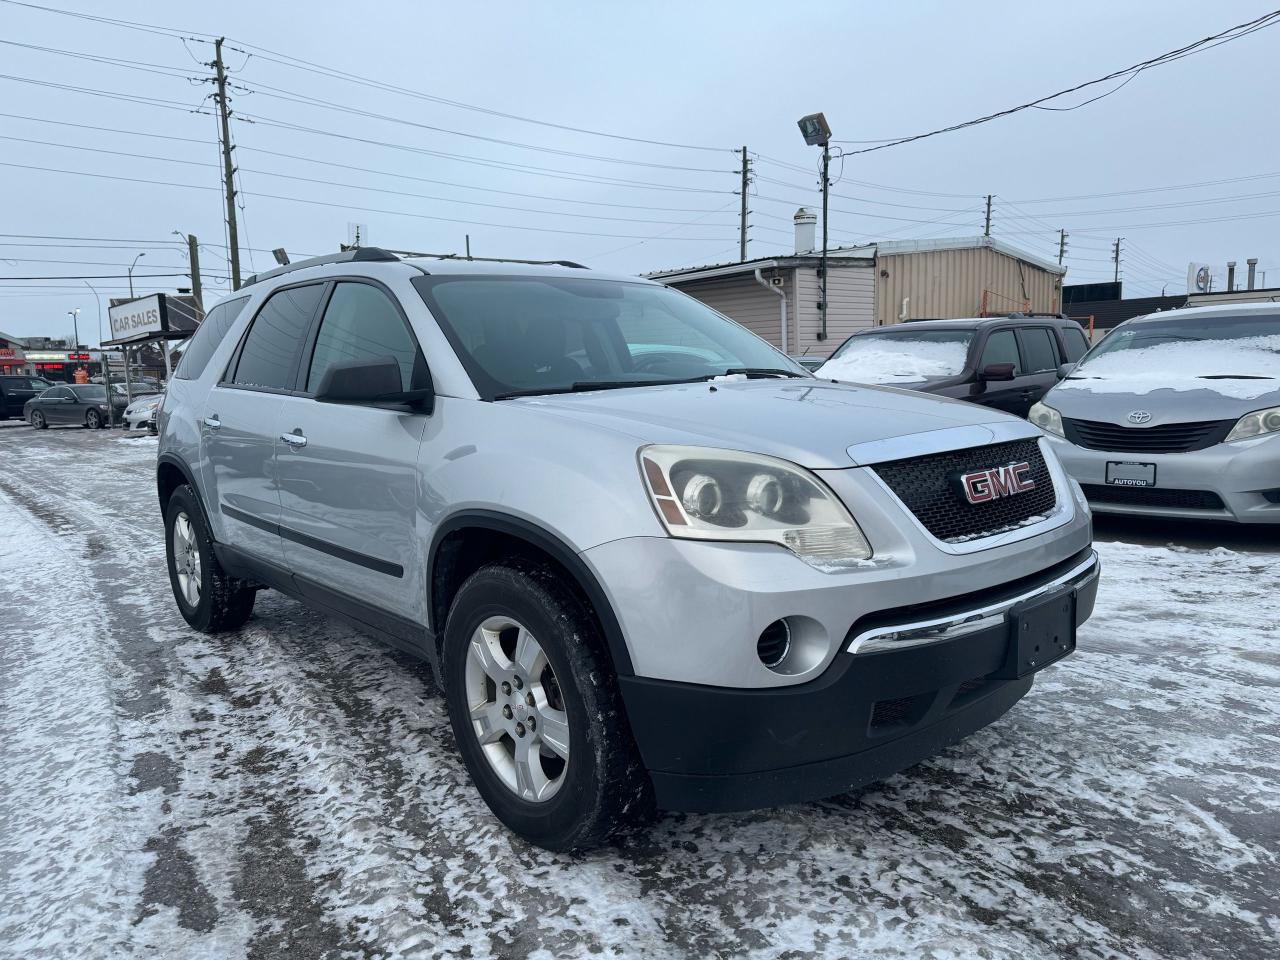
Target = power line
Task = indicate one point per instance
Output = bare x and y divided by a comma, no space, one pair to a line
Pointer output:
1231,33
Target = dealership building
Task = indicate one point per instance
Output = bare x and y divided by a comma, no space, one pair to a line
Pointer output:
873,285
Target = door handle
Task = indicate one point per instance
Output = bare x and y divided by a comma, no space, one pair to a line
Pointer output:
294,439
213,423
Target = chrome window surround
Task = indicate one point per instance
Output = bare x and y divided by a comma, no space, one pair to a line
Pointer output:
905,635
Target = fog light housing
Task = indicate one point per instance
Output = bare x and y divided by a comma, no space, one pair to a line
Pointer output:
774,643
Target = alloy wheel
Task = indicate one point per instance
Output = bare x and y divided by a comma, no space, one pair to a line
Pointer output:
517,710
186,559
93,420
37,419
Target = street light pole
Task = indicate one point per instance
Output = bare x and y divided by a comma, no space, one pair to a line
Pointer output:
131,266
817,133
75,326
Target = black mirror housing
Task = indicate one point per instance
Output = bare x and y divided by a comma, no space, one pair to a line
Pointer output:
370,381
997,371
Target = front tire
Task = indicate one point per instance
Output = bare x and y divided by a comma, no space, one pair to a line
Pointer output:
38,421
536,711
93,420
208,599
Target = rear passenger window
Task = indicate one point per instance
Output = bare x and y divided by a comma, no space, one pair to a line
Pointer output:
271,348
203,343
361,323
1002,347
1077,344
1041,350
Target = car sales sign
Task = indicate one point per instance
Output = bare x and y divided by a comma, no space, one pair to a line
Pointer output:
139,319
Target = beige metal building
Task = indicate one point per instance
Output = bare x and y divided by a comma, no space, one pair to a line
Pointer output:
878,284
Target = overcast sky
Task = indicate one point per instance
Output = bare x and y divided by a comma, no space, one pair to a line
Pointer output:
695,75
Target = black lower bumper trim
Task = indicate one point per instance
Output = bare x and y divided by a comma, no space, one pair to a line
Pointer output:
810,781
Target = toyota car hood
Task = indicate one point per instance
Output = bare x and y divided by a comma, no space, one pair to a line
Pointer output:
809,422
1108,400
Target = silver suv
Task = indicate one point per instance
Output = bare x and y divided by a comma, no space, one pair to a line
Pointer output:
653,561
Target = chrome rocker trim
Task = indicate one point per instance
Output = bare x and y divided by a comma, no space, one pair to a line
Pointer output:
905,635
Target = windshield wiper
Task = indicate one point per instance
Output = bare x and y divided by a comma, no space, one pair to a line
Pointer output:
1233,376
760,372
581,386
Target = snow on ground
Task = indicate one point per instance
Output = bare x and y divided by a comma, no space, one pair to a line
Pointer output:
1185,365
293,790
896,360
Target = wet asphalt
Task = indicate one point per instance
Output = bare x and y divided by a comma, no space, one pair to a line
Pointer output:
293,789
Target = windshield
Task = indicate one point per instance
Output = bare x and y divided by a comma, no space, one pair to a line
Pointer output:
534,335
1236,356
900,357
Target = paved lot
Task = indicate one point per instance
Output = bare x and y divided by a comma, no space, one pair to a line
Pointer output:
292,790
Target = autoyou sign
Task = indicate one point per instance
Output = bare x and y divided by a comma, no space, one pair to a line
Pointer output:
138,318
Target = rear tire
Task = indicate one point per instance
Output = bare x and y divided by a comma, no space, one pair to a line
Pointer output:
568,718
38,421
207,597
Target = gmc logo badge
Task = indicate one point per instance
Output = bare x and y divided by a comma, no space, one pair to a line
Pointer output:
983,486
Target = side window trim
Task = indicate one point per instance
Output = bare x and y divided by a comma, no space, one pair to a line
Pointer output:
313,334
227,380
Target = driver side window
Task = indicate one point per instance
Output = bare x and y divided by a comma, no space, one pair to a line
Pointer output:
1002,347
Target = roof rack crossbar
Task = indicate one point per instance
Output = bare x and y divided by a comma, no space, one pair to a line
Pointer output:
359,254
464,257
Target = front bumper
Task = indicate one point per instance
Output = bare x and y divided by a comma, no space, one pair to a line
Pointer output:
867,716
1239,474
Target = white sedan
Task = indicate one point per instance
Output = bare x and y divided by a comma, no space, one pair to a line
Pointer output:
142,412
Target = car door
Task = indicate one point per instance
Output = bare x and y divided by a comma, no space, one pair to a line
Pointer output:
239,430
1040,360
57,404
347,472
1001,347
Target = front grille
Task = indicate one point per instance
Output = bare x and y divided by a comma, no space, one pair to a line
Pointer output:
1153,497
900,711
1166,438
929,486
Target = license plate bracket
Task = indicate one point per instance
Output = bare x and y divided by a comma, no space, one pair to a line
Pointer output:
1042,630
1130,473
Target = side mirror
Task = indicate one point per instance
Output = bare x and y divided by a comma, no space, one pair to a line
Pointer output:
1064,370
997,371
370,381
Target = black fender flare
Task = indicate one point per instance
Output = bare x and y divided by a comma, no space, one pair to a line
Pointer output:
553,546
175,461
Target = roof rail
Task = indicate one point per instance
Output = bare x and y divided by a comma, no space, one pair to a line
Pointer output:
346,256
459,256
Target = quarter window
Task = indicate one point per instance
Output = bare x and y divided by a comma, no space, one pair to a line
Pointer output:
200,348
271,348
1042,352
362,323
1002,347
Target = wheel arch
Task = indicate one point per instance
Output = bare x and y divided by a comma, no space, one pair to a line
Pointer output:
467,540
171,473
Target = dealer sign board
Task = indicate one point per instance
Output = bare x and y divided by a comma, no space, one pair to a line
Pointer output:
139,319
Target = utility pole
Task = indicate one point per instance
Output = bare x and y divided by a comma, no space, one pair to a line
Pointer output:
229,187
1115,256
193,252
826,192
742,216
986,230
1062,245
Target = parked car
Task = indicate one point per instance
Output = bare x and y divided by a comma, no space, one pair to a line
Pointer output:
16,390
702,580
141,414
1003,362
1176,414
83,405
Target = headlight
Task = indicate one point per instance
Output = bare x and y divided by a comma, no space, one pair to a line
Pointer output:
1046,418
701,493
1256,424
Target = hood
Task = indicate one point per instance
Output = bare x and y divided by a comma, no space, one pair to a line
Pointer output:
809,422
1111,400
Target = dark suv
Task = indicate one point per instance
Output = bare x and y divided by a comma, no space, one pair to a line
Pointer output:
1003,362
16,390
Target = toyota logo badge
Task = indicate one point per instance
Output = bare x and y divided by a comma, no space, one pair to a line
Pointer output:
1139,416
